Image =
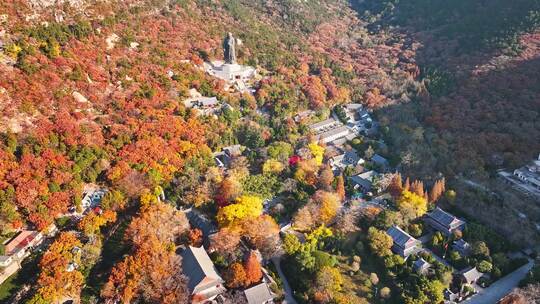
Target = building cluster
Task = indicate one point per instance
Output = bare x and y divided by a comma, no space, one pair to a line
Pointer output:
226,155
525,179
204,281
16,249
92,196
206,106
352,121
447,224
332,131
207,286
336,130
439,220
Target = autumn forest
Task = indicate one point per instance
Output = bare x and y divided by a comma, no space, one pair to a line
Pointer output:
133,171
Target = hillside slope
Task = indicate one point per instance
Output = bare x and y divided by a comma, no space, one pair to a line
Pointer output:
478,61
92,90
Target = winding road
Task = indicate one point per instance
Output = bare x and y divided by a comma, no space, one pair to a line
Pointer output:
289,299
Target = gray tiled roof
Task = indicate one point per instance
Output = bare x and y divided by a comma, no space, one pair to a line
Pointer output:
352,156
366,184
233,150
379,159
461,243
442,216
399,236
471,274
197,267
208,101
339,142
335,131
200,221
326,122
364,179
421,264
258,294
4,258
354,106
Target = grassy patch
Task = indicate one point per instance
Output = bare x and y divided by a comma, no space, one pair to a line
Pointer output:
26,275
8,287
359,281
114,249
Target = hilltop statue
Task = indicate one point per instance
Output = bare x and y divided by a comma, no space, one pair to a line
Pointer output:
229,49
236,75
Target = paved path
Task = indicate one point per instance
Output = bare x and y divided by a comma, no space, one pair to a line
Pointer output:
502,287
438,258
288,290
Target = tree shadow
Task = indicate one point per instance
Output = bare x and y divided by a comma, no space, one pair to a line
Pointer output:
453,33
491,120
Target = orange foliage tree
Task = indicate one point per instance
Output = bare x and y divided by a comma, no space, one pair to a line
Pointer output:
396,186
93,221
228,191
225,240
252,269
340,187
437,191
263,233
326,177
195,237
56,280
235,276
321,209
153,272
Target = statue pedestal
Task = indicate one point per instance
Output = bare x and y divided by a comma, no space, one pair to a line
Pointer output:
231,68
232,73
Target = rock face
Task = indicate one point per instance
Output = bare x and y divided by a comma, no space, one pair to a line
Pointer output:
41,4
111,41
79,97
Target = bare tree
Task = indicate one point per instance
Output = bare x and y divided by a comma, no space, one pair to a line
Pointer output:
348,221
234,297
526,295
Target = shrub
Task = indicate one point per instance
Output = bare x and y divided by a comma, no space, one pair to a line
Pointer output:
323,259
385,292
484,266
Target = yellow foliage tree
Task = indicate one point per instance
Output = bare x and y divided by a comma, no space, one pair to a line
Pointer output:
328,205
412,200
328,282
147,198
306,172
245,207
317,152
272,166
12,50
